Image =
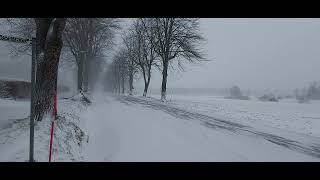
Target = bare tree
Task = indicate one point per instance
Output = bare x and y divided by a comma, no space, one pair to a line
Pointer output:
49,44
48,32
139,43
118,72
112,78
175,39
132,71
149,55
130,51
88,39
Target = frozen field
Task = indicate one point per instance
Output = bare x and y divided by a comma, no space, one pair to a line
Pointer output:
287,114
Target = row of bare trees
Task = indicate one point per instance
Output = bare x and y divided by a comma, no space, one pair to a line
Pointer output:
150,42
155,42
85,39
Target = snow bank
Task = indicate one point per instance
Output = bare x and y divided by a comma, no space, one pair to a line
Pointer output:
68,135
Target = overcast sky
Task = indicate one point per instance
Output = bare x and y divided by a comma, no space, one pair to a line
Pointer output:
251,53
254,54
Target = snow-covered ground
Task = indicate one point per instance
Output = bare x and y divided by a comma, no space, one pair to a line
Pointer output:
14,132
12,110
136,129
124,128
286,114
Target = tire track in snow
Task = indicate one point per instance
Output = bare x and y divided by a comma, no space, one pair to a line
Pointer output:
312,149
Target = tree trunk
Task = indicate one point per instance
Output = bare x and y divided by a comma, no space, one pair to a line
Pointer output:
85,73
115,89
146,83
130,83
119,85
164,81
80,77
47,66
145,91
131,79
122,84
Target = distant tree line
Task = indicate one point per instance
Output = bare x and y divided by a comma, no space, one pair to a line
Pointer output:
312,92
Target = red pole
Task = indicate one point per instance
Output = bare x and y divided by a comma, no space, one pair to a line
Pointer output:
51,137
54,114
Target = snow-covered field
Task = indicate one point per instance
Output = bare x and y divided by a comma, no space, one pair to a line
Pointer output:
286,114
124,128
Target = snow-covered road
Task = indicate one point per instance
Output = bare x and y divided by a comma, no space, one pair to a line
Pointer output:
127,128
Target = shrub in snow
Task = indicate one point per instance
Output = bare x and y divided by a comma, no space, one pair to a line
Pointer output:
269,97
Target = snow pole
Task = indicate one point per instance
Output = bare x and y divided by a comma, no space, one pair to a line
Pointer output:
54,115
51,137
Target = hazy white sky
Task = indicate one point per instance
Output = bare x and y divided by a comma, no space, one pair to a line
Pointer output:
254,53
